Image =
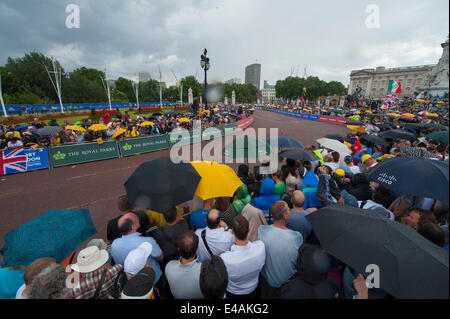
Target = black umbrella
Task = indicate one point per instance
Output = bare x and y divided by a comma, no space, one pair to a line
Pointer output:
338,137
374,139
384,126
416,152
410,266
160,184
288,142
49,130
357,123
157,114
398,134
413,176
299,155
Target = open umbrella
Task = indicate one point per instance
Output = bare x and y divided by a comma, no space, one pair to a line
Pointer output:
356,128
334,145
118,133
410,266
169,111
288,142
398,134
338,137
441,136
49,130
247,147
299,155
160,184
373,139
98,127
218,180
357,123
75,128
184,120
156,114
147,123
56,233
434,125
416,152
413,176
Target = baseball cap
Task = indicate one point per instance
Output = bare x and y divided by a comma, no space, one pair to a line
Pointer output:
140,286
348,159
340,172
137,258
365,158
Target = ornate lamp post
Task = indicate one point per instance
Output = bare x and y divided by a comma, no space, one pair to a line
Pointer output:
204,62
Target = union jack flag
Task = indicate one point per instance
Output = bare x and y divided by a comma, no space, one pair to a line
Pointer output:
13,161
390,100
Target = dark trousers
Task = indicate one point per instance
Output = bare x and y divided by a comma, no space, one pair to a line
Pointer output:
249,296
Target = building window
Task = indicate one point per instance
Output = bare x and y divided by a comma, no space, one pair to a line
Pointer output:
419,81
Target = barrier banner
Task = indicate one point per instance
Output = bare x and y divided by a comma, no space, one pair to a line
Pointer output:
245,123
229,129
211,133
144,144
185,137
334,120
22,160
82,153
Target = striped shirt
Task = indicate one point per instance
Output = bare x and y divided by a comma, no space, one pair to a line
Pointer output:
90,281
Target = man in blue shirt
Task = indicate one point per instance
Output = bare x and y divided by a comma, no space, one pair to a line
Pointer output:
297,220
198,217
131,239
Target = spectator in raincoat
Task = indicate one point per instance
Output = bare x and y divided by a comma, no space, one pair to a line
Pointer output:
267,195
242,198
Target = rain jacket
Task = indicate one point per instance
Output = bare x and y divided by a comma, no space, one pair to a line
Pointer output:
360,187
311,280
267,195
311,183
242,199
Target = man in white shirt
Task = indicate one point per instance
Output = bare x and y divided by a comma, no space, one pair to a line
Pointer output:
15,143
244,262
349,167
214,239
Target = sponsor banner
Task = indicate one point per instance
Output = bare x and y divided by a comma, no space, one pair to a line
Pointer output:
141,145
245,123
185,138
229,129
21,160
82,153
334,120
211,133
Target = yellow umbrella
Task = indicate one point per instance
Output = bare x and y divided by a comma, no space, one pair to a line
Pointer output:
216,109
218,180
183,119
433,115
369,111
408,115
357,112
252,109
356,128
206,111
420,101
394,114
147,123
118,132
75,128
98,127
440,102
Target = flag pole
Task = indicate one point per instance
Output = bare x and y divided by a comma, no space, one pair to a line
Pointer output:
1,97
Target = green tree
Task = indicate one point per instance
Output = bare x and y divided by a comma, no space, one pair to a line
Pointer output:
191,82
118,96
125,86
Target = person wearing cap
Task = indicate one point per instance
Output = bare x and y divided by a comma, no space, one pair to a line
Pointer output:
349,167
137,260
368,162
95,277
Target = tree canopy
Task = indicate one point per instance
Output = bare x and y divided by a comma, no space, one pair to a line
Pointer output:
292,88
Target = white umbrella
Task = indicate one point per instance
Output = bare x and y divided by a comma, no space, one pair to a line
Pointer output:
334,145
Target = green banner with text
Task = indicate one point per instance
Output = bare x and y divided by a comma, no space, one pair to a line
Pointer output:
82,153
139,145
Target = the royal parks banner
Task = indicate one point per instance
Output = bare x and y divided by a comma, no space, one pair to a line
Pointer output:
141,145
21,160
81,153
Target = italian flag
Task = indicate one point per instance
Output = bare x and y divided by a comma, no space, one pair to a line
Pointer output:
394,87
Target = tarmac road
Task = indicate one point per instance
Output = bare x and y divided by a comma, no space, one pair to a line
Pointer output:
96,185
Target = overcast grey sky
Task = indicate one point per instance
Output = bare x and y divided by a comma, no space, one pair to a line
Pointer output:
128,36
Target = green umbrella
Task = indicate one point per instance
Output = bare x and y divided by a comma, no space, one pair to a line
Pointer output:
247,147
436,126
438,136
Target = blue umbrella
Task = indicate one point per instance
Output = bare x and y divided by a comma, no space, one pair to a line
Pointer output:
288,142
413,176
23,127
168,112
55,233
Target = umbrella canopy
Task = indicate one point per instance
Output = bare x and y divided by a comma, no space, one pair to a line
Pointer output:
357,123
76,128
156,114
432,115
247,147
373,139
434,125
160,184
408,115
288,142
184,120
118,133
169,111
441,136
49,130
393,114
147,123
334,145
211,173
356,128
56,233
299,155
398,134
22,127
338,137
416,152
98,127
413,176
410,266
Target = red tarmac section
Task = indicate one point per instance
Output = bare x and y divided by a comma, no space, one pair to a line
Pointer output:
96,185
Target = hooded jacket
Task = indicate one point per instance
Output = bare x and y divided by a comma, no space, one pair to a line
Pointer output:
311,280
311,183
246,179
242,199
360,187
267,195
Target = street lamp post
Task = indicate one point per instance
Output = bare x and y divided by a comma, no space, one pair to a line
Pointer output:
204,62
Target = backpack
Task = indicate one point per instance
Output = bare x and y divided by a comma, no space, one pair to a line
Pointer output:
119,284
